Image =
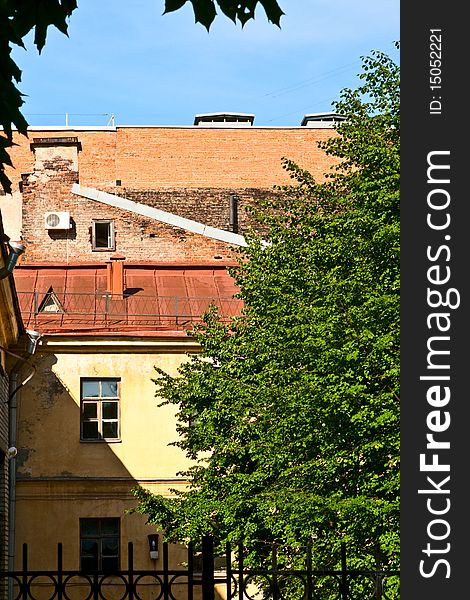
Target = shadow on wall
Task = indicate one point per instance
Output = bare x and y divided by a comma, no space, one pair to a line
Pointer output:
49,432
63,481
64,234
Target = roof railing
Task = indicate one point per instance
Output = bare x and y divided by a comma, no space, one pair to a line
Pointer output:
130,308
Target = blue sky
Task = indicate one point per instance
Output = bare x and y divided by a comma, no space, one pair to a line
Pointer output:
146,68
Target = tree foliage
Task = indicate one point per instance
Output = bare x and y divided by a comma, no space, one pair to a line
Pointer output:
291,412
19,17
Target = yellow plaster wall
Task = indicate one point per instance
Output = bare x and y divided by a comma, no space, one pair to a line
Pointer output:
49,419
61,479
58,506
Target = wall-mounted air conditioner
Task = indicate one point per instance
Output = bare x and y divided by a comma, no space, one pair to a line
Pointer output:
57,220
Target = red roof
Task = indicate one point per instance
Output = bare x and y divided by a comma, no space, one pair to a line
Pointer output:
58,298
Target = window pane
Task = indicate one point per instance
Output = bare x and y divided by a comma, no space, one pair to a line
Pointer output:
110,527
109,389
90,389
99,539
110,564
100,409
89,527
89,547
110,547
90,410
110,410
102,235
90,430
110,429
88,564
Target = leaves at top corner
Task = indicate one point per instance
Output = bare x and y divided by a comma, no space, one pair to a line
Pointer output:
243,10
39,14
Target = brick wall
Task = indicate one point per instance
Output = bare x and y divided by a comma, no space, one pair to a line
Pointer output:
191,172
138,238
210,206
191,157
48,188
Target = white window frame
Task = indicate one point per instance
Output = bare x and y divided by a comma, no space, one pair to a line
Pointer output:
99,418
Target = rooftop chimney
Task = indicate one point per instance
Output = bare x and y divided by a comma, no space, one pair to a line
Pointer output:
115,275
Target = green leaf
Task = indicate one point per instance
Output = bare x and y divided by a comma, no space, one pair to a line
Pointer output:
5,160
172,5
229,8
273,11
204,12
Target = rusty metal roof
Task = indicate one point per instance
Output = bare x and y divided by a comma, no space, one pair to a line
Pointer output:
77,299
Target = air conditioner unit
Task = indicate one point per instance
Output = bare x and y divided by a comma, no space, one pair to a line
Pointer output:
57,220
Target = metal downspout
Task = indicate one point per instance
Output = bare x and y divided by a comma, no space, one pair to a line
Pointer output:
13,388
12,467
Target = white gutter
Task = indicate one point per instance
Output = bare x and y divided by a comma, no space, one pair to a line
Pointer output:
159,215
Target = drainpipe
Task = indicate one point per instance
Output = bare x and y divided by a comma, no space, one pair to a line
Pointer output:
16,249
12,452
14,387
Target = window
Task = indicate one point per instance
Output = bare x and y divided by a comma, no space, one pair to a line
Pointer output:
50,303
99,409
102,235
99,545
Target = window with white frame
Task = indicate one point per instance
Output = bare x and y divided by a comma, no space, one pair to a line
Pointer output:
99,544
102,235
99,407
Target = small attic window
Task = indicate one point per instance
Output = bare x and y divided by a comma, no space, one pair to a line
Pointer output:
50,303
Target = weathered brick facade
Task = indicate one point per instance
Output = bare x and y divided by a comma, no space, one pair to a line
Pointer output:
191,172
137,237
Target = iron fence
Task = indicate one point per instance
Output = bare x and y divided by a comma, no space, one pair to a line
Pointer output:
202,581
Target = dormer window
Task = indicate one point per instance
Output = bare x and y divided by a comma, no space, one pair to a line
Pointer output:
102,235
50,303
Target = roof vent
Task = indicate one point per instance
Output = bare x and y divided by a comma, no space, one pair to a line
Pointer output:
221,119
323,119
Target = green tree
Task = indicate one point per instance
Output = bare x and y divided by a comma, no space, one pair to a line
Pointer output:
291,412
19,17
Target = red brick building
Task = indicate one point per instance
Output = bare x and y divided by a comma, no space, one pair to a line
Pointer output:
206,173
